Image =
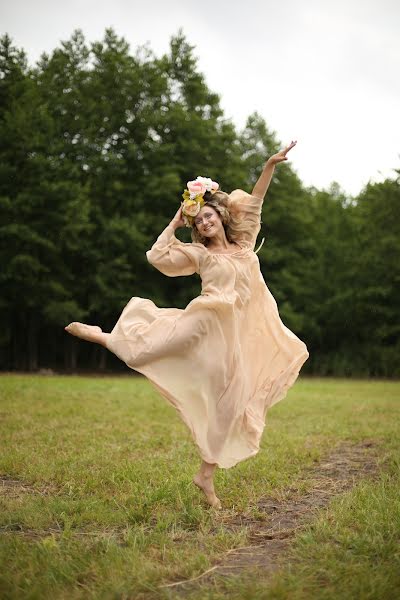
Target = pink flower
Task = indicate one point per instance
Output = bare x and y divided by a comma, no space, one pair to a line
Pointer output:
214,186
196,188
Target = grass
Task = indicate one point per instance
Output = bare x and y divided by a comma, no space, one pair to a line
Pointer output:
98,503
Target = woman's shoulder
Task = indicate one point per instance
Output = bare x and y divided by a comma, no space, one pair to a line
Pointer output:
238,193
198,245
196,248
242,202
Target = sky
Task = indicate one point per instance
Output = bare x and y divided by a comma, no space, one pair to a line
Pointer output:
322,72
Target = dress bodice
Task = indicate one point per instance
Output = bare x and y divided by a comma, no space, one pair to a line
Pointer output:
174,258
230,276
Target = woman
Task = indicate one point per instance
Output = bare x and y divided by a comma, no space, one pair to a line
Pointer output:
227,357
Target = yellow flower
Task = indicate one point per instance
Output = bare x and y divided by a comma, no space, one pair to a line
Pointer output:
191,208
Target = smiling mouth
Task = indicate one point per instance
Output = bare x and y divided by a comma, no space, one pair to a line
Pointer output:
207,228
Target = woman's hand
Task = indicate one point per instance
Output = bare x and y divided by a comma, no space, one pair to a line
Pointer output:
281,156
262,184
178,221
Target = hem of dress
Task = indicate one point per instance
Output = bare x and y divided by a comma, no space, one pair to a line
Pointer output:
273,393
290,374
171,399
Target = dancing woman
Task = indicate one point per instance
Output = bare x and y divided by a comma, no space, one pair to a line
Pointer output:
226,358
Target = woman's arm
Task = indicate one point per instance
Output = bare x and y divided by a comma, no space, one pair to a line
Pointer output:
262,185
178,221
171,256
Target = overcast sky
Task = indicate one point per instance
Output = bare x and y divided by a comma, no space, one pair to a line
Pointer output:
324,72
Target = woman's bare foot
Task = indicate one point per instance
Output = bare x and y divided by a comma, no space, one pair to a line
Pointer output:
90,333
206,484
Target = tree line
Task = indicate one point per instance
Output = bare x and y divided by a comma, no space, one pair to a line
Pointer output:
96,145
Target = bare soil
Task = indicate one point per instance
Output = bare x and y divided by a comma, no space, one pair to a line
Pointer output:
277,519
14,488
270,537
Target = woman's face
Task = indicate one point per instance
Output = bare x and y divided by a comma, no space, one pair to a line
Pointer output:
208,222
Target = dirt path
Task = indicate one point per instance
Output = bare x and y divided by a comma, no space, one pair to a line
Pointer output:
270,539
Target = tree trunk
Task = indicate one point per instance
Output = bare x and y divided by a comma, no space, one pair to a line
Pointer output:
19,349
14,347
32,343
102,364
70,353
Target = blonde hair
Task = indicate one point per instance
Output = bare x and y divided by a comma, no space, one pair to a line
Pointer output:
234,227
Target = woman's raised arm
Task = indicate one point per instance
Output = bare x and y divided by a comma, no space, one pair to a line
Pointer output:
262,185
171,256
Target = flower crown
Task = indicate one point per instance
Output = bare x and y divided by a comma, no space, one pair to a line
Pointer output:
193,197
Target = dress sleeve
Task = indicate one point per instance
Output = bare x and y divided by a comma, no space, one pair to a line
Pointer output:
247,209
173,257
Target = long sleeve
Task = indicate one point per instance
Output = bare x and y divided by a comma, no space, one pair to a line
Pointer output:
247,209
173,257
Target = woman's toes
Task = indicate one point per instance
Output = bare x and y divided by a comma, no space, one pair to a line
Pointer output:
217,504
77,329
208,491
82,330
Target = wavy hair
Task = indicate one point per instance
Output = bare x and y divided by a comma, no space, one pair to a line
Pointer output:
233,226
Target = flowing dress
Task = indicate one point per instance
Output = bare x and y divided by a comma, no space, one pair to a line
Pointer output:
226,358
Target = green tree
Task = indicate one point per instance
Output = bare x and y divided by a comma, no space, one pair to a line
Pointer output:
96,146
328,307
376,276
38,214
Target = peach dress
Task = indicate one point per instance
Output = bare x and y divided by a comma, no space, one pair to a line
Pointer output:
226,358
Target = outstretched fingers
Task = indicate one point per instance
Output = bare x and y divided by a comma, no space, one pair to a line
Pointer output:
291,145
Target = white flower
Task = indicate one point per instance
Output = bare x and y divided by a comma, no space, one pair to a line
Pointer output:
208,183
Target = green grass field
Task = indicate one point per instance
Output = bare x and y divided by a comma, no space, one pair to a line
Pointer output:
97,501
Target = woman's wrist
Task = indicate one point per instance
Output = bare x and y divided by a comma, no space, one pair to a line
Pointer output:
173,224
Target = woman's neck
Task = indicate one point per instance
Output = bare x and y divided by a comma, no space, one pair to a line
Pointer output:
219,242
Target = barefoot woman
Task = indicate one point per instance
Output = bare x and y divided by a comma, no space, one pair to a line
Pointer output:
227,357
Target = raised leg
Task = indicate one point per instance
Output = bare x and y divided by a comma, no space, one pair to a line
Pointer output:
90,333
205,481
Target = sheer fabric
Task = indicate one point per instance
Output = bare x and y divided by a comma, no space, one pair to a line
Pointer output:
226,358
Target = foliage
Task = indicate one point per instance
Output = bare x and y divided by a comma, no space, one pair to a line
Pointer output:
98,502
96,145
